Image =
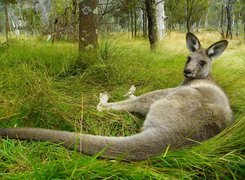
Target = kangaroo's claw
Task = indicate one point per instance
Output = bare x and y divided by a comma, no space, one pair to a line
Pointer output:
103,101
130,93
104,98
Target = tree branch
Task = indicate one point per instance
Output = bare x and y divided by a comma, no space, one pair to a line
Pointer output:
159,2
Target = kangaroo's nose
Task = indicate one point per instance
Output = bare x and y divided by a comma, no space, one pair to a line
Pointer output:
187,72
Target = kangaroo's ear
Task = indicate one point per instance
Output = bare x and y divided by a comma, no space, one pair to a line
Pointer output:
217,48
192,42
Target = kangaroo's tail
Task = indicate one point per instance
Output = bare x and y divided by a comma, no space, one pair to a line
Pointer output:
136,147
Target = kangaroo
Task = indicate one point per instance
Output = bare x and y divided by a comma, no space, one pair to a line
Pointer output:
196,110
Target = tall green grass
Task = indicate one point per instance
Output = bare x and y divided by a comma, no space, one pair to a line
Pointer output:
52,86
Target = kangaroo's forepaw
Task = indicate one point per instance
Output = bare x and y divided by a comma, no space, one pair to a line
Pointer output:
104,98
103,102
130,93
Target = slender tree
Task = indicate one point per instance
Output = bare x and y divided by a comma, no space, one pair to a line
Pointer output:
88,23
160,17
132,22
73,20
222,23
145,22
193,9
229,8
7,27
135,19
152,24
188,14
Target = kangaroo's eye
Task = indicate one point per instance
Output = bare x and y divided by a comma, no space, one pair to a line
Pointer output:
188,59
202,63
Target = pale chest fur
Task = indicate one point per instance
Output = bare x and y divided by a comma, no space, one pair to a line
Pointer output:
191,107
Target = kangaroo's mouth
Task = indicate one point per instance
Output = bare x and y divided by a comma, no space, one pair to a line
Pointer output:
189,75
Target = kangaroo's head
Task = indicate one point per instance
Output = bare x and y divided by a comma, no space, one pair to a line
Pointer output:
198,64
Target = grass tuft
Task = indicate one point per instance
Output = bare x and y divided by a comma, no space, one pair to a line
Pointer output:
53,86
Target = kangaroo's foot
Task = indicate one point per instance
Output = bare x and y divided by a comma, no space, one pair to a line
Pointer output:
102,106
130,93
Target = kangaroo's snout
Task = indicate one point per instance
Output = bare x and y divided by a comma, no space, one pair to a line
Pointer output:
187,73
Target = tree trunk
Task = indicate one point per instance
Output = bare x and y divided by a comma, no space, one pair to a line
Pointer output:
144,24
88,22
189,13
187,16
229,22
222,23
132,23
160,16
229,9
236,24
152,25
129,26
73,20
206,21
135,21
6,23
244,27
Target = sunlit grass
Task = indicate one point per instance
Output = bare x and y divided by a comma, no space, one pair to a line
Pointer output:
52,86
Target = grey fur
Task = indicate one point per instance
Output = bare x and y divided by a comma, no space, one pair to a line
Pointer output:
175,117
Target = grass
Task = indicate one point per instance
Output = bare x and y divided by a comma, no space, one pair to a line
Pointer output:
52,86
